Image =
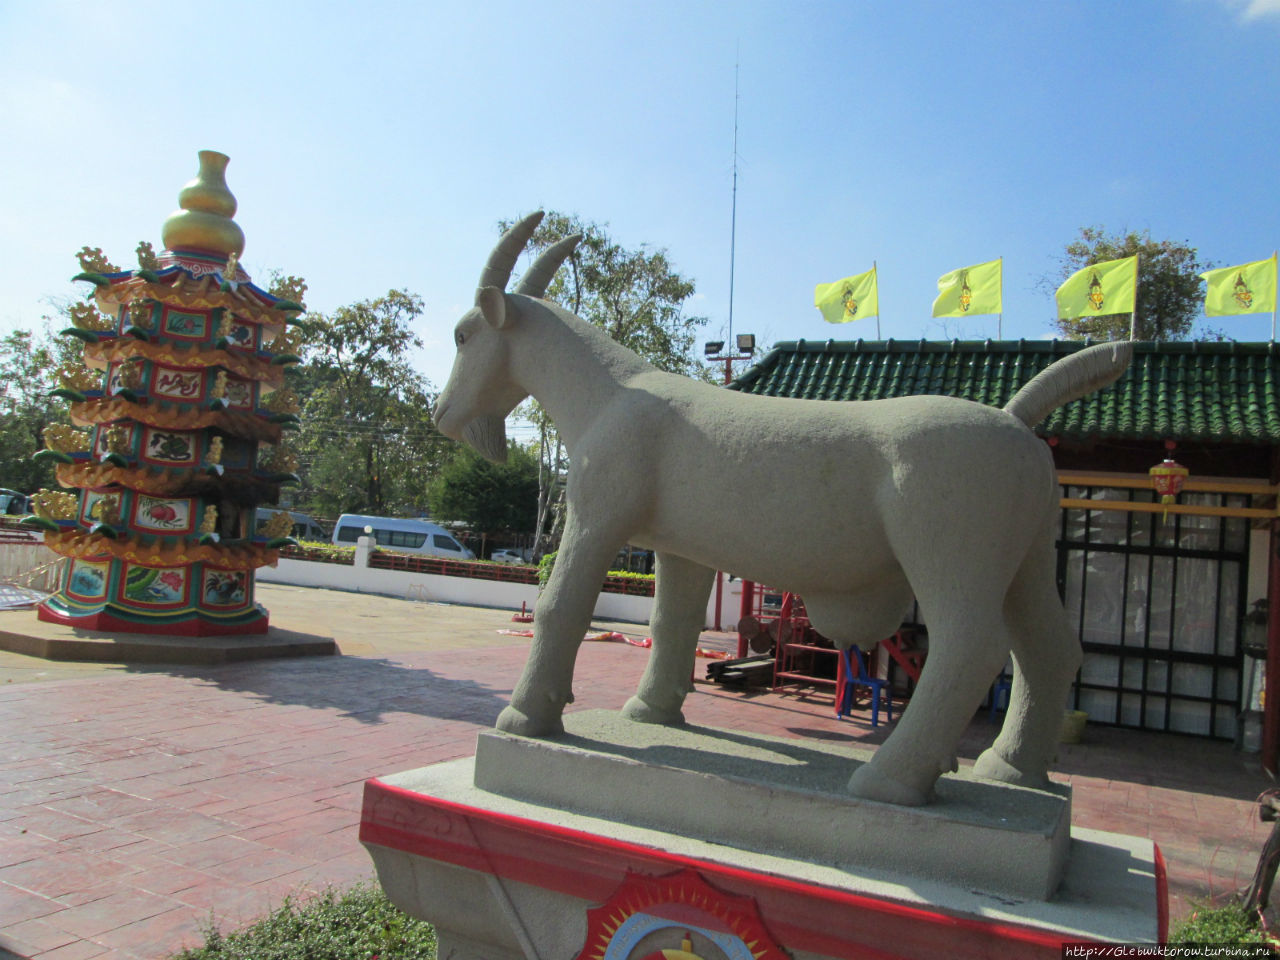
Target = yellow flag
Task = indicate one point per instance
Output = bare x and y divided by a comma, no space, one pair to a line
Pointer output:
1099,289
849,299
1248,288
970,290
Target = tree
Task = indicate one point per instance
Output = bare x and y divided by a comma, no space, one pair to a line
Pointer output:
30,365
489,498
1170,290
34,364
633,295
367,443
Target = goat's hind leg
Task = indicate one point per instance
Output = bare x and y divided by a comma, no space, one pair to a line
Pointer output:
679,609
966,648
1045,658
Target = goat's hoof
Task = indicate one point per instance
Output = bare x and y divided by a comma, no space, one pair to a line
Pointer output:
991,766
870,784
511,720
641,712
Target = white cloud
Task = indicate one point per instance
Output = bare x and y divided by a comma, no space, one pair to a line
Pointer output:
1253,9
1256,9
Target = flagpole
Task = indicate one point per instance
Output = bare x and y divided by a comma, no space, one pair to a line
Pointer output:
1000,315
1133,317
1275,291
876,276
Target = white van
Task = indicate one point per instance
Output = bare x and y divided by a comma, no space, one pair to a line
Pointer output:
409,536
304,526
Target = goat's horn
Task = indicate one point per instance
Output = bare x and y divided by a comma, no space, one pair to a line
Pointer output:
538,277
497,271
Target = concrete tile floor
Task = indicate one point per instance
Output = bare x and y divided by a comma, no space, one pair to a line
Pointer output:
137,805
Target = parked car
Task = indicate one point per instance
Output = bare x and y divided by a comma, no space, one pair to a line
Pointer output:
509,556
304,526
409,536
13,503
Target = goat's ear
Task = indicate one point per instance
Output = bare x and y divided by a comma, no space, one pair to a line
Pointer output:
493,304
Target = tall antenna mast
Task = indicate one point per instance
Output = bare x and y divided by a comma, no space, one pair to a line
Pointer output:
733,223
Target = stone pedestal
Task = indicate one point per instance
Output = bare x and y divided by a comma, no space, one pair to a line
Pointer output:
508,853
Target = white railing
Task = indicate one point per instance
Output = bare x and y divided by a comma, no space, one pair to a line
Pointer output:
29,563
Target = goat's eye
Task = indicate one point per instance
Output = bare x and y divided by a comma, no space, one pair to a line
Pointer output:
459,336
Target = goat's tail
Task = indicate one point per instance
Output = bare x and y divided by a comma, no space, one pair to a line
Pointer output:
1069,379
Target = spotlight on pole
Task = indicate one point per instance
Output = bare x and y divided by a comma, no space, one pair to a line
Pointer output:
713,348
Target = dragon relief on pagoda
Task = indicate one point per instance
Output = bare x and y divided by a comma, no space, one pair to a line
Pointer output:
79,378
178,415
141,314
66,439
284,400
279,525
85,316
280,458
54,504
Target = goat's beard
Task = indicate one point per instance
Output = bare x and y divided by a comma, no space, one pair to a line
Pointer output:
488,434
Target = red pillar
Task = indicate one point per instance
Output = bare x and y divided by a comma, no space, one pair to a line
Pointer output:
1271,703
746,609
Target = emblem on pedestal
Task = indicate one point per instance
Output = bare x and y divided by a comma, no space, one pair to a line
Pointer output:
676,917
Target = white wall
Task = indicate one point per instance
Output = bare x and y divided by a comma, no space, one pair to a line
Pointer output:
361,578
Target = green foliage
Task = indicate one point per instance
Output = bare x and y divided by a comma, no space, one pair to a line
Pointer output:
30,364
1230,924
545,566
631,575
633,295
320,550
358,925
367,444
548,562
1170,291
286,287
489,498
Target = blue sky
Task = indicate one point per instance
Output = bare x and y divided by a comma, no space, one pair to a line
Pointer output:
376,145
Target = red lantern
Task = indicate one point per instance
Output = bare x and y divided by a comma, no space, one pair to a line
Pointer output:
1167,478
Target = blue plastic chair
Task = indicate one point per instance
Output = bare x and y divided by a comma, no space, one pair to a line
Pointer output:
999,691
860,678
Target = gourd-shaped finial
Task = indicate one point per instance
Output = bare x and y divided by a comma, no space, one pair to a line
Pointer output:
204,222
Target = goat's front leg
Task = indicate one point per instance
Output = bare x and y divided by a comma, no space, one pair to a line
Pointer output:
679,613
561,619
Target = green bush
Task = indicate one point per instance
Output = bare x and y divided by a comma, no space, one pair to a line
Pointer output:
360,924
324,549
545,566
548,562
630,575
1230,924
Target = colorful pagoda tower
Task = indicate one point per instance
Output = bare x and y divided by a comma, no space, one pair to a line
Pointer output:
183,396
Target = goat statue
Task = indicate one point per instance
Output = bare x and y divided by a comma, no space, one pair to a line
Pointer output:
856,506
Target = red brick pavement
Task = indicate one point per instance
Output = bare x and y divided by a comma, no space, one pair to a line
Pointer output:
136,809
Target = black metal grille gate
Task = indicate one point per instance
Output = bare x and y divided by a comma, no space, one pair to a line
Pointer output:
1158,607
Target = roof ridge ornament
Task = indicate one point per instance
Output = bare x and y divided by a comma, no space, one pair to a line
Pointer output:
207,206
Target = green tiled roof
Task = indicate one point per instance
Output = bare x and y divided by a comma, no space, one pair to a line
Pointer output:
1224,392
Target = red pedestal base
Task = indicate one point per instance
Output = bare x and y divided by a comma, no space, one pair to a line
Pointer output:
106,621
588,869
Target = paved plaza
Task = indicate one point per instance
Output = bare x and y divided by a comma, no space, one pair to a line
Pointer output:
139,804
